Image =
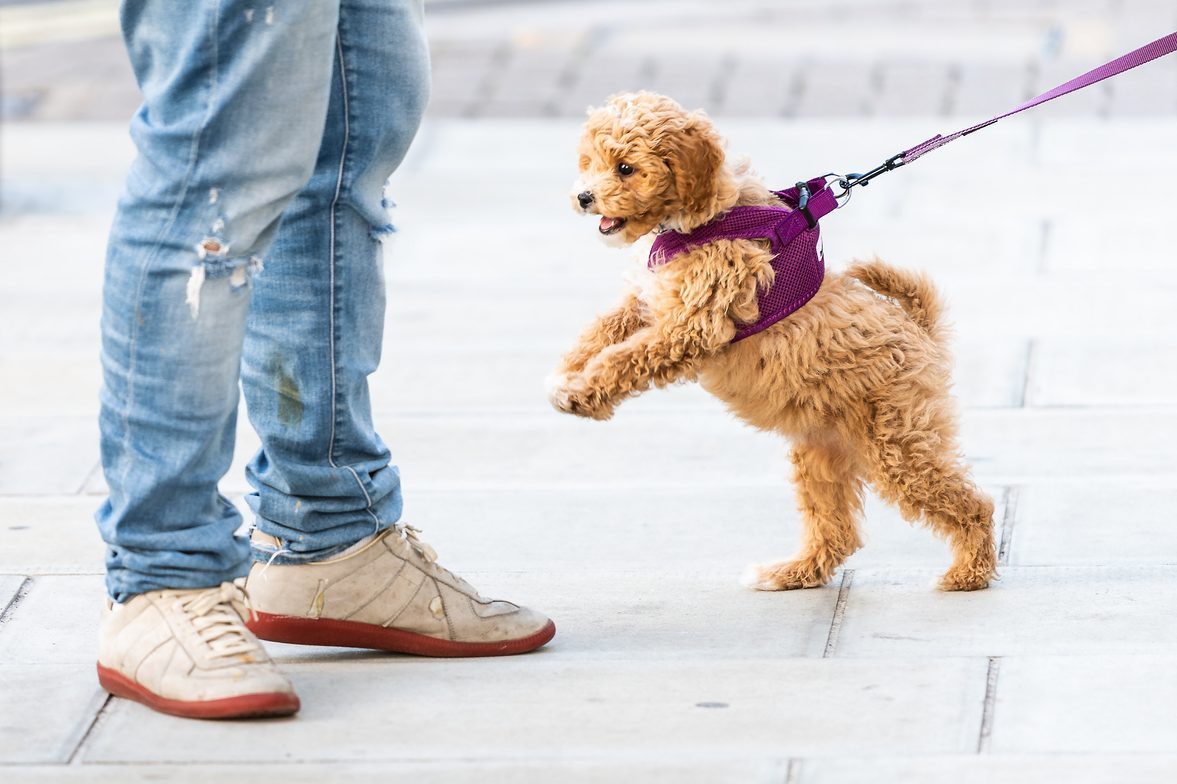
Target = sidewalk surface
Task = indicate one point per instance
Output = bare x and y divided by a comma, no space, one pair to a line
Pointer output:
1050,235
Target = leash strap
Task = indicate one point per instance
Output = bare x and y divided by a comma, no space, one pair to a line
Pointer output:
1147,53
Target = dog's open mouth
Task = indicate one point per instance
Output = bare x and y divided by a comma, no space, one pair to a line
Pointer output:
611,225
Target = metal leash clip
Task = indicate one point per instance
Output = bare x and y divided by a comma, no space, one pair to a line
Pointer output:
848,181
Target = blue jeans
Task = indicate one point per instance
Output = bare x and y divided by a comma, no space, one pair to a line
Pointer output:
266,136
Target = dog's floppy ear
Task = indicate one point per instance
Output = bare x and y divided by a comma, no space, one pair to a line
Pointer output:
694,153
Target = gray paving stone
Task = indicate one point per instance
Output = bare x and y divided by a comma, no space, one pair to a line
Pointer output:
1021,445
55,623
1029,611
49,535
1095,522
836,89
758,86
545,707
906,87
1073,704
1078,244
52,384
985,89
711,529
46,454
736,770
45,710
1077,768
1103,372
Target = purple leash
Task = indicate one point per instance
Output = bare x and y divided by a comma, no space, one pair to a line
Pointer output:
1147,53
792,230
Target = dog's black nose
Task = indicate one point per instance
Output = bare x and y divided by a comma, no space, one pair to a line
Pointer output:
585,198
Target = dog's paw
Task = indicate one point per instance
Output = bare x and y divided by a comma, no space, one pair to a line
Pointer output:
964,578
781,576
556,386
571,395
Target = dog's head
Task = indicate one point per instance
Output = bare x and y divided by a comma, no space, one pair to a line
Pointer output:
646,163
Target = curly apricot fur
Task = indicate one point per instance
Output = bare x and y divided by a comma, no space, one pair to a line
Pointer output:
858,379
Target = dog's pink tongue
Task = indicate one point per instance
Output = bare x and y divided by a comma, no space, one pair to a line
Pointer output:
609,224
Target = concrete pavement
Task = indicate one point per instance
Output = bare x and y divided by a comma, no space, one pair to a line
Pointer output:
1048,233
664,668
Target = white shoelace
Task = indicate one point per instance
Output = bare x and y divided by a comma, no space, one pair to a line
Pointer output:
218,615
409,535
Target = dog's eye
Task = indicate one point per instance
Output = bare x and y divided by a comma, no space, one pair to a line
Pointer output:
624,169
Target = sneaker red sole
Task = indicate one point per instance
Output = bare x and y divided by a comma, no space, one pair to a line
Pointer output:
245,706
353,634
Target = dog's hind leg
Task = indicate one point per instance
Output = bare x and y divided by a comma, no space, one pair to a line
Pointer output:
918,469
829,494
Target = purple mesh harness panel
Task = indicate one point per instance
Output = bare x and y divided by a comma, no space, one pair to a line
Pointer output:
793,235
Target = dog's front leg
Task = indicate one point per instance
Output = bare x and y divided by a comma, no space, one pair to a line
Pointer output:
608,330
650,357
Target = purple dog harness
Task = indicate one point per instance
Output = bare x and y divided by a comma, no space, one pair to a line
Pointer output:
792,233
792,230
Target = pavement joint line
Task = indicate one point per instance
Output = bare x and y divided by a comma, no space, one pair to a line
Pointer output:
839,613
1008,518
90,475
1032,351
75,757
986,732
721,77
1045,231
21,592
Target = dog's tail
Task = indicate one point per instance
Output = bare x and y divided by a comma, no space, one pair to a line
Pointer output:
914,291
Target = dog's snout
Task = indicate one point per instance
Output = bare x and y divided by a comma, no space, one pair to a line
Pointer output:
585,198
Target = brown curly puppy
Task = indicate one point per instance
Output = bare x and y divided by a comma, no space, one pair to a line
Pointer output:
858,378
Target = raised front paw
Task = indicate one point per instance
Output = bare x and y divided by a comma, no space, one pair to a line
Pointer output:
571,395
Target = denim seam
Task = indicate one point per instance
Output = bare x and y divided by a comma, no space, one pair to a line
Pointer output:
343,87
193,154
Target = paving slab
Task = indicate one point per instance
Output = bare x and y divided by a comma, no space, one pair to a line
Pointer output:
55,623
1077,243
1077,768
1023,445
602,527
49,535
700,710
1095,522
45,709
1103,372
1072,704
736,770
50,455
1062,611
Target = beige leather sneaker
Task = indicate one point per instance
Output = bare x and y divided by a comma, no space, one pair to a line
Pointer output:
389,594
188,653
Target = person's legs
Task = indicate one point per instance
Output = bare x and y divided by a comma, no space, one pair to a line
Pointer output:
234,106
323,479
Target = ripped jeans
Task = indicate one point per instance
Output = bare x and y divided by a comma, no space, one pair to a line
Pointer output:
265,138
